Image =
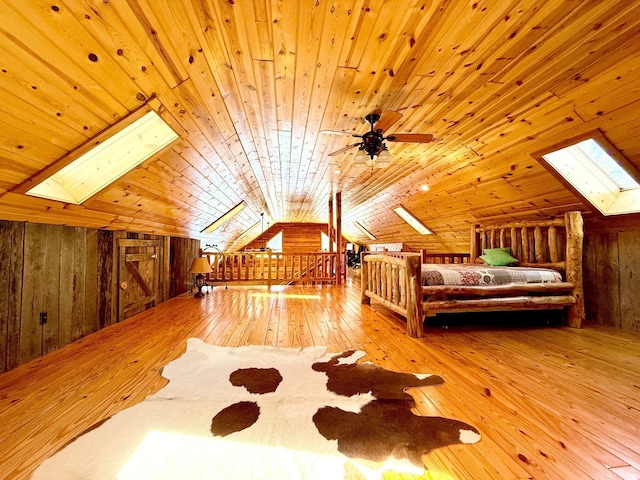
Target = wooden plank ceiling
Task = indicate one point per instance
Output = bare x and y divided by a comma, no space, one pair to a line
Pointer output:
250,87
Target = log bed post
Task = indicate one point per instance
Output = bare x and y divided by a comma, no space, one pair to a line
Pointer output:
415,314
474,244
575,234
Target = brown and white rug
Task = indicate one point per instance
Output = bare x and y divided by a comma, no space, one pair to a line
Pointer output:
263,413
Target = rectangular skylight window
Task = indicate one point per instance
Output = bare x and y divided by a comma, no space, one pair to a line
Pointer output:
364,230
598,173
593,152
224,218
416,224
107,161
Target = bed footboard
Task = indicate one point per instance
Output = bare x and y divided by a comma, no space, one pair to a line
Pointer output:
395,283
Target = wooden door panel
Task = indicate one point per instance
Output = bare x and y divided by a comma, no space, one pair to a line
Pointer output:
138,276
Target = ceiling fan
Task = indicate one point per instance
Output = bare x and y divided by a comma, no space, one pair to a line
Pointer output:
372,146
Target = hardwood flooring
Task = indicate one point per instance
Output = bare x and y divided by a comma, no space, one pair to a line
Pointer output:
550,402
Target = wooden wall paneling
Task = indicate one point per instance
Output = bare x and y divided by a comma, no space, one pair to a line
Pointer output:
608,285
50,283
611,265
153,277
41,280
629,261
164,269
107,298
175,263
78,284
302,238
193,249
91,320
33,274
296,237
604,316
75,286
182,253
73,252
590,278
69,273
11,259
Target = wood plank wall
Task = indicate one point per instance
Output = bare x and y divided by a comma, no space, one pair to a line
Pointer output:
611,271
71,274
11,259
183,250
296,237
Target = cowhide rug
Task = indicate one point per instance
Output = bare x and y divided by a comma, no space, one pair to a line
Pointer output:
263,413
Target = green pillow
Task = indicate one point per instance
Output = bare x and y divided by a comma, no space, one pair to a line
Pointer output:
498,257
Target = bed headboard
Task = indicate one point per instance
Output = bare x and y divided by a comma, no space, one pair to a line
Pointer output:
551,243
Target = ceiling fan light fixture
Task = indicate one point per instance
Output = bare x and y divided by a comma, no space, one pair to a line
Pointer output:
384,157
361,157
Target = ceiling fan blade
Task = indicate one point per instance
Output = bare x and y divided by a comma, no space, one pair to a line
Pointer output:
387,119
338,132
342,150
410,137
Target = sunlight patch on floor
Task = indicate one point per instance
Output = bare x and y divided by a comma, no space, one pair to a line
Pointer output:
171,455
285,295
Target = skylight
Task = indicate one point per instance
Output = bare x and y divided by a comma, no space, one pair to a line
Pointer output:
224,218
360,227
111,158
596,154
413,221
598,173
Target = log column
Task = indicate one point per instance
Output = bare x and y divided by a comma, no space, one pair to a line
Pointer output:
575,235
339,237
330,225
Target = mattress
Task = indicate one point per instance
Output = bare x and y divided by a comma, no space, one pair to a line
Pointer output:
484,275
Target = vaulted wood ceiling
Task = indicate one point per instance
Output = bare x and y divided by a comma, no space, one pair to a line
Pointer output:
250,86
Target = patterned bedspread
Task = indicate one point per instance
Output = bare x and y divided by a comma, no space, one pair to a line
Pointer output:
470,275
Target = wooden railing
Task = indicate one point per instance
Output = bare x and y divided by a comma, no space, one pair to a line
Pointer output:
271,268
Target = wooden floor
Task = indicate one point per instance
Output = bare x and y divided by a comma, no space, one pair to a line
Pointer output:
550,402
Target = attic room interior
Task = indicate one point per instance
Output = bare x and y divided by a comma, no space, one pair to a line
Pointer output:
335,165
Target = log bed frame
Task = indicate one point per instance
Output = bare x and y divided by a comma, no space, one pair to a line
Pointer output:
394,279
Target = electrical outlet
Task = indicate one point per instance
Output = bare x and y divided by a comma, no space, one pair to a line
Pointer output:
43,318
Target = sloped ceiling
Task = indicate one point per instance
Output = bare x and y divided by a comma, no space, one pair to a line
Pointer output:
251,86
